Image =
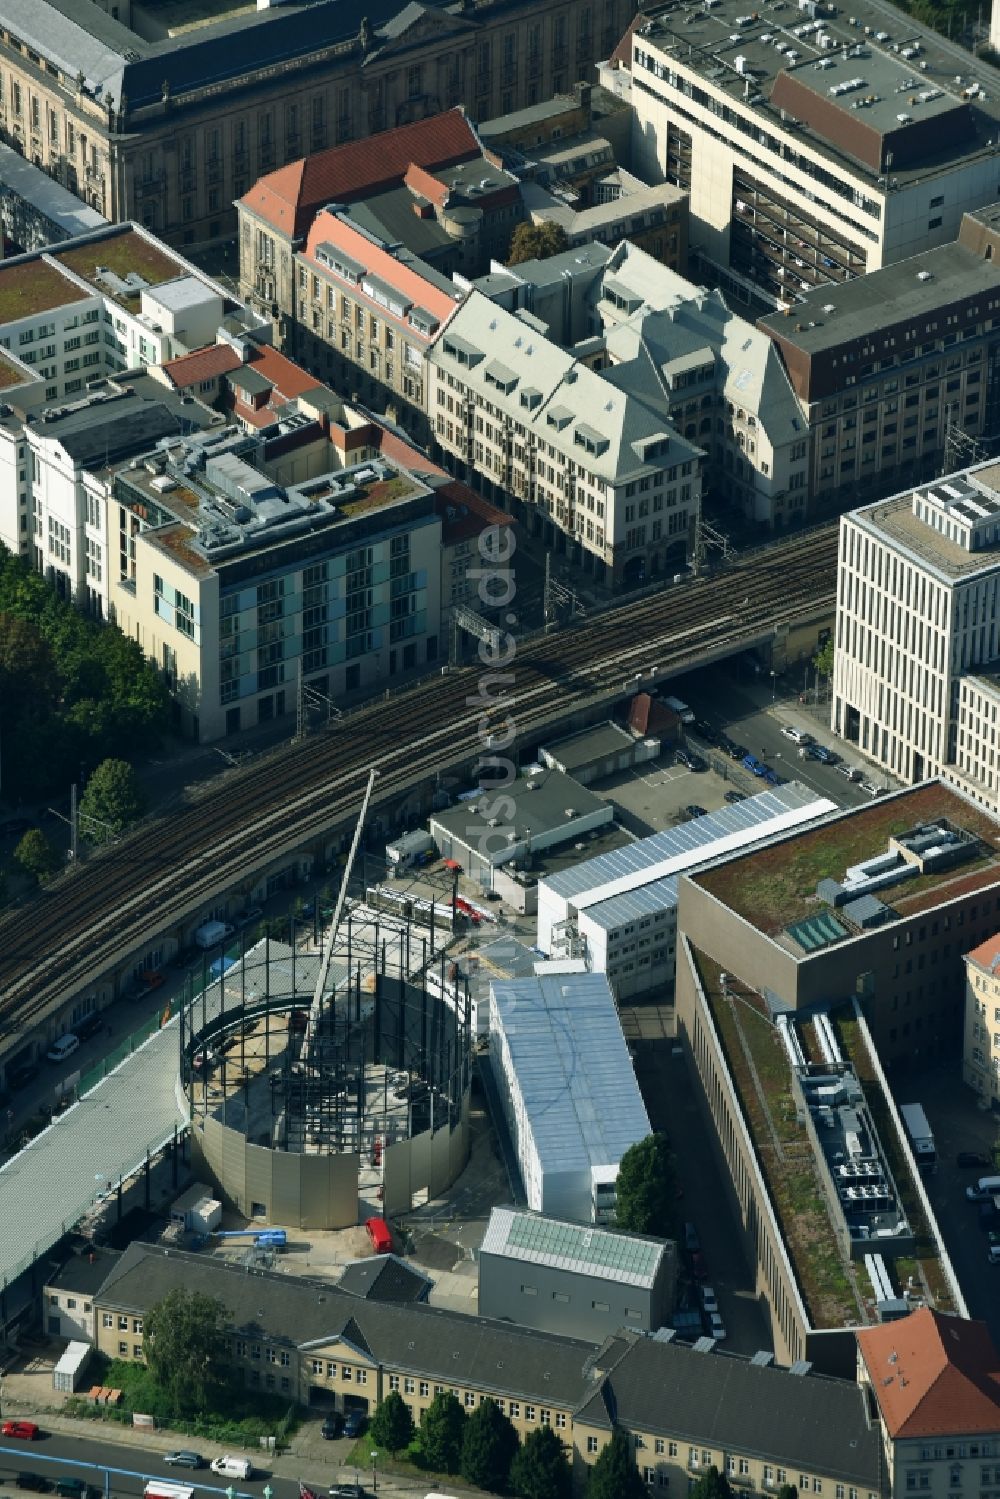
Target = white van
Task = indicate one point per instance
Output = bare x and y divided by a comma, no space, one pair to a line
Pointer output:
63,1048
232,1467
986,1186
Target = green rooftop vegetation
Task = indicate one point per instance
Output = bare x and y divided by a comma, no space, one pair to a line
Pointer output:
10,374
376,495
759,1070
121,253
776,886
31,287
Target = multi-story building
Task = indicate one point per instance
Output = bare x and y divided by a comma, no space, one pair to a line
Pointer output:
367,315
981,1049
653,219
684,1410
887,366
917,631
581,460
167,124
815,147
567,1087
34,210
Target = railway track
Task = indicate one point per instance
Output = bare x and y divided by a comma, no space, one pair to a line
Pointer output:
104,912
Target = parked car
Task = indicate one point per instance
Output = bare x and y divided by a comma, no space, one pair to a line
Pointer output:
64,1048
33,1481
822,754
872,788
688,758
797,736
76,1488
973,1158
708,1301
354,1423
691,1240
737,751
717,1328
734,797
20,1077
849,772
771,777
755,766
332,1427
704,730
24,1431
184,1458
348,1491
90,1025
693,810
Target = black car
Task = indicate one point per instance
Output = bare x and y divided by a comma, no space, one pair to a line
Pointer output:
704,730
737,751
973,1158
354,1423
90,1025
348,1491
732,797
20,1077
76,1488
333,1426
33,1481
693,810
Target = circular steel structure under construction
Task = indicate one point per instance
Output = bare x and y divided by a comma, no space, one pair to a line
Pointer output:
319,1111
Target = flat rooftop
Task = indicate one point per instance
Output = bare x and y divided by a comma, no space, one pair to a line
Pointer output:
124,252
837,313
776,886
554,801
894,522
580,1249
589,745
30,285
778,41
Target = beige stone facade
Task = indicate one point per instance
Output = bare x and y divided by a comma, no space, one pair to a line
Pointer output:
175,154
981,1047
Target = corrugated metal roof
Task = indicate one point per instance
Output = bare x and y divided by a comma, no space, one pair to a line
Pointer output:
572,1066
575,1247
642,876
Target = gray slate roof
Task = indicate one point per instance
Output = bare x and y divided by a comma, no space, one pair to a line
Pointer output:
384,1277
811,1423
83,1274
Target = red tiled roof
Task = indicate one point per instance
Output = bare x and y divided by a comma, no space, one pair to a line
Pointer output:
987,953
647,715
400,451
289,197
328,229
621,57
472,514
933,1375
203,364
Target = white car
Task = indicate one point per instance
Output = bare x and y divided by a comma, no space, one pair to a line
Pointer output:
63,1048
849,772
708,1300
797,736
717,1328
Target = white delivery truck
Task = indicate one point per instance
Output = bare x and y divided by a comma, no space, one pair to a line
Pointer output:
684,713
409,851
211,933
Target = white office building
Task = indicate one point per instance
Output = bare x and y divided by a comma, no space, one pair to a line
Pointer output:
816,143
568,1090
618,911
918,632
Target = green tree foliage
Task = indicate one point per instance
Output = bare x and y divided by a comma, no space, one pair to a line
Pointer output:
823,659
536,242
615,1475
442,1429
712,1485
36,856
488,1447
112,801
72,689
788,1491
184,1343
646,1188
392,1424
541,1469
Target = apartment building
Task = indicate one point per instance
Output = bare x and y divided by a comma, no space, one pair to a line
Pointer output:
580,460
653,219
684,1409
916,634
366,315
34,210
815,145
888,365
981,1048
167,124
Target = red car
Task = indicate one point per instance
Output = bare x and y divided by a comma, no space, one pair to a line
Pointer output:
25,1431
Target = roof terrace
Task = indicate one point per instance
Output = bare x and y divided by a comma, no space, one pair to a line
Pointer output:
776,887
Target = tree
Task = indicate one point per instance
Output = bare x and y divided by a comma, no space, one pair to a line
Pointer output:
442,1428
392,1424
113,800
536,242
711,1485
488,1447
184,1344
36,856
823,659
646,1188
615,1475
540,1469
788,1491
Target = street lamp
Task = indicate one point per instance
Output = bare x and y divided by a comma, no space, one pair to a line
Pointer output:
374,1472
774,685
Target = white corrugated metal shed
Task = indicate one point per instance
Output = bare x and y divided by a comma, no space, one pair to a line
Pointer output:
573,1069
616,887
